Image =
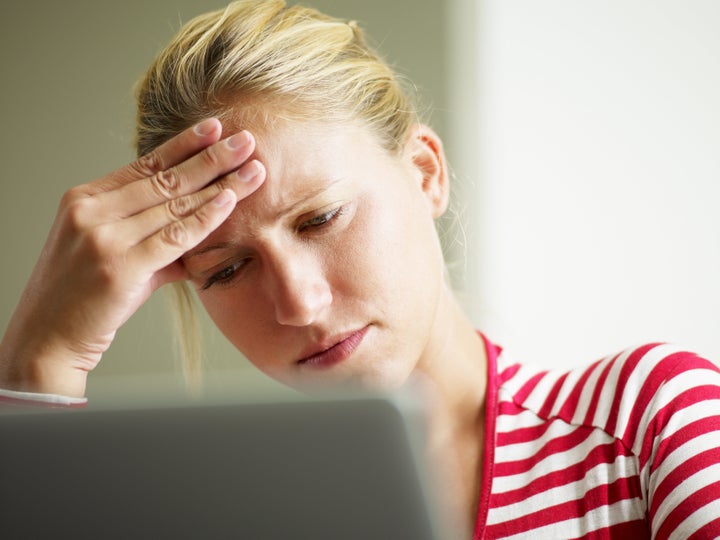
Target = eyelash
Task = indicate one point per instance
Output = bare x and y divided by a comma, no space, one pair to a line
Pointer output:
224,276
228,274
321,220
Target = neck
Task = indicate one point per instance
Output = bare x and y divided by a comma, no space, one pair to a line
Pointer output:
454,368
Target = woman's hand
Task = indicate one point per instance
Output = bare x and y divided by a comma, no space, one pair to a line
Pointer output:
114,241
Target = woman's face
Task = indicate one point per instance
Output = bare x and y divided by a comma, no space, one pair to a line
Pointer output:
331,272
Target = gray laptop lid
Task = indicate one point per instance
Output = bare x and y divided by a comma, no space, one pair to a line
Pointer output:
296,469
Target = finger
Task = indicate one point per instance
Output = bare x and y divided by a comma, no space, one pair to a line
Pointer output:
176,150
141,226
169,243
185,178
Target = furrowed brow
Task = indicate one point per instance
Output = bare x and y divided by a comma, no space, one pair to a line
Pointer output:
292,207
205,249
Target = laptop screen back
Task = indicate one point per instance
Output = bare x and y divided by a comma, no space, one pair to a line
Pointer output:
324,469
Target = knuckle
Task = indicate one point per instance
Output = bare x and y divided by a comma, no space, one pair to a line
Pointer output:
77,212
211,157
179,208
221,185
149,164
98,242
72,195
175,234
166,183
77,199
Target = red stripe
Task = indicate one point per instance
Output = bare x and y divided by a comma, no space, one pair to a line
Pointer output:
547,406
621,489
693,502
688,432
569,408
690,466
523,435
508,373
510,408
659,422
665,370
592,408
605,454
553,446
492,352
522,394
629,529
626,370
709,530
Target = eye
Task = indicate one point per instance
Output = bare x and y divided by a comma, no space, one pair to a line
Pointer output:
321,219
224,276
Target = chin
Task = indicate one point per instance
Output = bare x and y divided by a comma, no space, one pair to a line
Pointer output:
385,378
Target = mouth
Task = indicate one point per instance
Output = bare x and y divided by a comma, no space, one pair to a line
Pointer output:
340,349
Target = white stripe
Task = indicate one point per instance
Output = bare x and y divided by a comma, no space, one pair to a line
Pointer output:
688,449
523,419
668,392
567,387
521,377
539,394
697,519
601,474
551,463
605,516
681,454
635,382
607,394
521,450
692,413
587,393
683,490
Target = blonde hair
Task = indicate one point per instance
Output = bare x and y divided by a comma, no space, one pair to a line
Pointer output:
262,52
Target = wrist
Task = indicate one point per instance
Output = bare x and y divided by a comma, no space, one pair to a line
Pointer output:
48,371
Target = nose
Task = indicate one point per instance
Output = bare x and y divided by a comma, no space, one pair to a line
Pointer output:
299,289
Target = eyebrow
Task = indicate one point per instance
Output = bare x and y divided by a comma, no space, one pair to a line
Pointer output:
211,247
281,213
309,196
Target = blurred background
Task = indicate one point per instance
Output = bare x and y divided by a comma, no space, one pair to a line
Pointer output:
584,139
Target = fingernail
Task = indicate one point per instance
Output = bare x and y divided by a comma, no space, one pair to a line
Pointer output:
238,140
249,171
225,197
205,127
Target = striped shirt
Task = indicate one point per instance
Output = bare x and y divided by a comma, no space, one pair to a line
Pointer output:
628,447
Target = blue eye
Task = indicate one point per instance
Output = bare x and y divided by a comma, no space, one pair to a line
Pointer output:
224,276
321,219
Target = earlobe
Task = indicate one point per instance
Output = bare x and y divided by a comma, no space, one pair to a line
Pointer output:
424,148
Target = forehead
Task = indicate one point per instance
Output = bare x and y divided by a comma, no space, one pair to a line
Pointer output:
302,158
306,162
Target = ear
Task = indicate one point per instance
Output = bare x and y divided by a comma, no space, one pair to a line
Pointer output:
424,150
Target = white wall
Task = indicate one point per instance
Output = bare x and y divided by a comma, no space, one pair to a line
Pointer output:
598,153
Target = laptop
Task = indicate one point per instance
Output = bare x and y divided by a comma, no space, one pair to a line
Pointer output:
323,468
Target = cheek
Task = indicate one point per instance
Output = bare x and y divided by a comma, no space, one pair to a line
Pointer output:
362,258
236,316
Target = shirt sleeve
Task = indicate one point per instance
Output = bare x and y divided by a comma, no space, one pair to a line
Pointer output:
13,398
681,449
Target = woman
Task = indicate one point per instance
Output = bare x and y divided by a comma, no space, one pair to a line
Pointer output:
284,177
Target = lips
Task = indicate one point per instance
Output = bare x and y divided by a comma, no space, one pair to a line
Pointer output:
337,349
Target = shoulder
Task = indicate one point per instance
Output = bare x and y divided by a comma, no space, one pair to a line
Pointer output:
648,418
614,393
